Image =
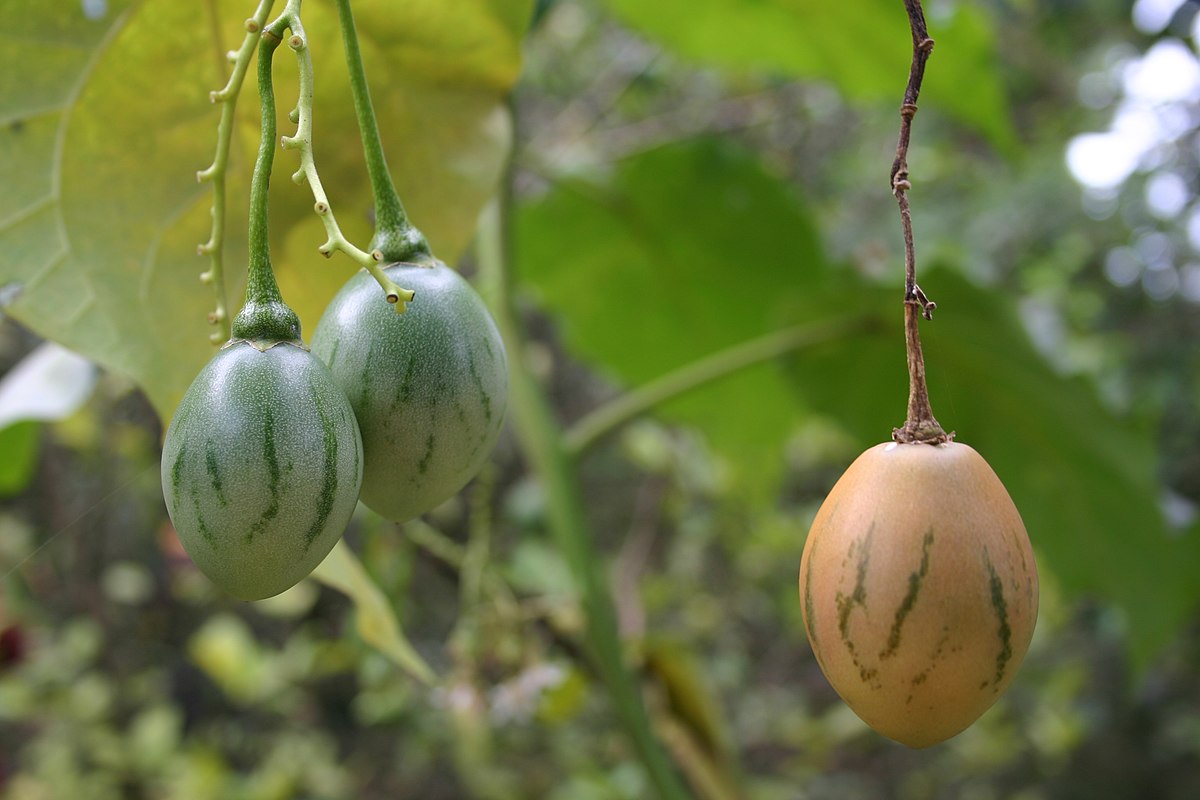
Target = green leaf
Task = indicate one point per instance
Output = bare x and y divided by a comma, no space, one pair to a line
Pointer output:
104,122
693,248
18,456
863,47
688,249
377,622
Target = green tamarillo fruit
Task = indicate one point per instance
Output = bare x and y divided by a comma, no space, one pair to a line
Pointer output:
429,387
918,589
261,466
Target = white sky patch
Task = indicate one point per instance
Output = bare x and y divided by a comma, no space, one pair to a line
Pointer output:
1168,72
1102,160
95,9
1151,16
1167,195
1157,86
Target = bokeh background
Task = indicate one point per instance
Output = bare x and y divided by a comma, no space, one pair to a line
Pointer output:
683,178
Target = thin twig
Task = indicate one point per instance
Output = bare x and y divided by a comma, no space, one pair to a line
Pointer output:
920,426
303,142
613,415
227,96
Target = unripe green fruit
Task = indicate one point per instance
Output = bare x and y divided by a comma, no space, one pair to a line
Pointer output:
261,467
919,589
429,387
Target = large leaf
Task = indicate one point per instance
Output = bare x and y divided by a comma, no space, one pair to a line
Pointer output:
693,247
689,249
863,47
105,119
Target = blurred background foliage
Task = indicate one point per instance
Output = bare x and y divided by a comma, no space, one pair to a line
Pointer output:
688,177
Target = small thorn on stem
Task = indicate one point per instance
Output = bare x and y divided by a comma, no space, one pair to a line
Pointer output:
298,176
232,56
206,277
294,115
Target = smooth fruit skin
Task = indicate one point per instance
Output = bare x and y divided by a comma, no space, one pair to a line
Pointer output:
261,467
429,387
919,589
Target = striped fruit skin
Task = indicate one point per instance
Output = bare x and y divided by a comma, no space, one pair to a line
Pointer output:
261,467
429,386
919,589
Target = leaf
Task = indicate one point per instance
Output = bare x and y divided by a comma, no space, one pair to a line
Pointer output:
104,122
377,623
686,250
693,247
863,47
18,456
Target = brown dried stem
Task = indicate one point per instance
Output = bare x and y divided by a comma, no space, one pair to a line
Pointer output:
920,426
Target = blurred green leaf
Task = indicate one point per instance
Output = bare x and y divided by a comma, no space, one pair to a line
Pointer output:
863,47
104,120
226,650
694,247
688,249
377,622
18,456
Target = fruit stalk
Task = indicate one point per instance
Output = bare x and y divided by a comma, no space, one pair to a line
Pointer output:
395,236
920,426
543,443
264,319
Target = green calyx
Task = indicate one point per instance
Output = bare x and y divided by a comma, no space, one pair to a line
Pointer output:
268,321
402,244
265,319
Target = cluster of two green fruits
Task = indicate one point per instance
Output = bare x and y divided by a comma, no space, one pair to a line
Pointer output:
273,445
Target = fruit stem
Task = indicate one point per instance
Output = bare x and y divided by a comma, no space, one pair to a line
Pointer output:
920,426
395,236
542,440
264,318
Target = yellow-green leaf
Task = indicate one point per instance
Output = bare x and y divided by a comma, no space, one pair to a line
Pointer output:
105,119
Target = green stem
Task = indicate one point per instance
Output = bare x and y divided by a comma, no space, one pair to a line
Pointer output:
216,172
395,237
265,318
609,417
541,439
